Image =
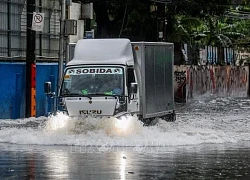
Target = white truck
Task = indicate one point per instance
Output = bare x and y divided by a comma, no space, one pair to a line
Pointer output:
116,77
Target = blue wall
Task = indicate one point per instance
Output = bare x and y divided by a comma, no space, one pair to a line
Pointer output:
13,84
45,72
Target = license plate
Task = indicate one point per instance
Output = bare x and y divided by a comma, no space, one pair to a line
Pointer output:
90,111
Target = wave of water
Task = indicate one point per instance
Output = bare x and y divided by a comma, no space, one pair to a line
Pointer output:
217,120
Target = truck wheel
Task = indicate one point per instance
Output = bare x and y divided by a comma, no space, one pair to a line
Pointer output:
150,121
170,117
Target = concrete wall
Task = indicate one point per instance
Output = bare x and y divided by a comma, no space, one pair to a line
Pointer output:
191,81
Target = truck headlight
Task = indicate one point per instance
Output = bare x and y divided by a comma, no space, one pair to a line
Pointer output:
117,106
122,123
120,105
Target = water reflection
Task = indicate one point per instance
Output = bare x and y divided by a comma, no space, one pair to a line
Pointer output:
57,161
123,160
181,162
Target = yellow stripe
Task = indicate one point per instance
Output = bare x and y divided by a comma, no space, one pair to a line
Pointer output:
33,102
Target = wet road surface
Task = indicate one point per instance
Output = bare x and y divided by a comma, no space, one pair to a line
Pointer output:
63,162
209,140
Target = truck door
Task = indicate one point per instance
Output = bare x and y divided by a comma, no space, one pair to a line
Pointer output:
133,102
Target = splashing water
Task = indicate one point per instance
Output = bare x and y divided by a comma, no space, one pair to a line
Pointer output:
206,120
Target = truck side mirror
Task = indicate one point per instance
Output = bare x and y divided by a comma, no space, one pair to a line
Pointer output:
133,88
47,88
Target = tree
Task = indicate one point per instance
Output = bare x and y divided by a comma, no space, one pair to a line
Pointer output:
188,31
187,21
220,34
127,18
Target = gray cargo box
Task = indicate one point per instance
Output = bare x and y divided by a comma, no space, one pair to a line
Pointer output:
154,66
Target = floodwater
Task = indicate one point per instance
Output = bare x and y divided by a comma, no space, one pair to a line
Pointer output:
209,140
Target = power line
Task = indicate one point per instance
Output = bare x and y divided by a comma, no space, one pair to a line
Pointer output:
125,12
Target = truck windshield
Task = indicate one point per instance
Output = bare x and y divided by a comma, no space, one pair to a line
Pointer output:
93,80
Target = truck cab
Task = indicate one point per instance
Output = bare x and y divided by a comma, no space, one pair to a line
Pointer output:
100,80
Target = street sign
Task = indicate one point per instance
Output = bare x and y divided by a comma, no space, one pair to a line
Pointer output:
37,21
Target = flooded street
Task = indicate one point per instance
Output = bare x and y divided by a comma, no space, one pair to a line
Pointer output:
182,162
209,140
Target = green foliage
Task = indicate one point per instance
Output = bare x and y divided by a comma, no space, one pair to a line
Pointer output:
220,33
199,8
133,18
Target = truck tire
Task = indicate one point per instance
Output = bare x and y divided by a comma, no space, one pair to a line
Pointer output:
169,117
150,121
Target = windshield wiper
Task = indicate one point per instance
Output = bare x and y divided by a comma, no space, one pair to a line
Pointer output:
77,95
104,94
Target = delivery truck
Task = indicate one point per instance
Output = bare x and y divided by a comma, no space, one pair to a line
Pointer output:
116,77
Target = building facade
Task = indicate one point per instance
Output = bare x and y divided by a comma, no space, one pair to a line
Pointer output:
13,18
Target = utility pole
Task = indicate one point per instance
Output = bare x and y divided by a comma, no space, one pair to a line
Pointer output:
61,42
161,21
30,110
